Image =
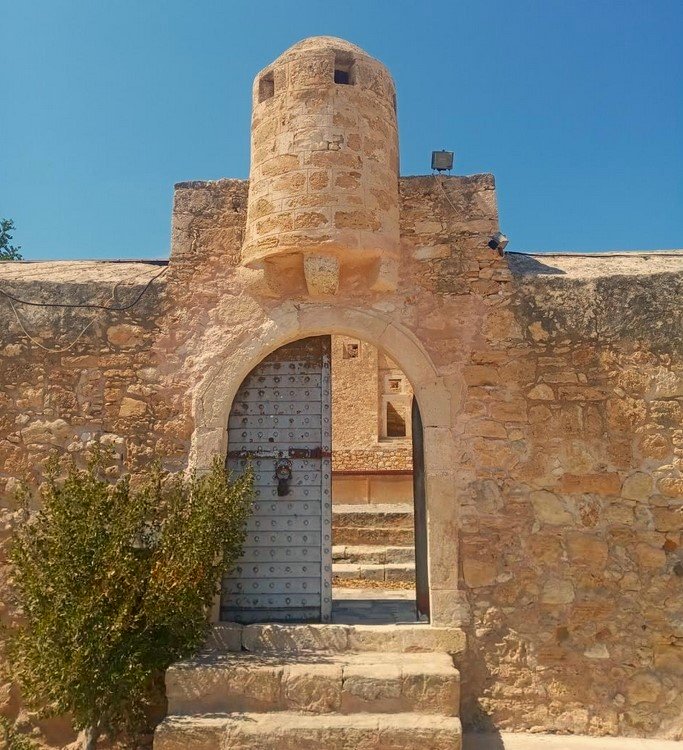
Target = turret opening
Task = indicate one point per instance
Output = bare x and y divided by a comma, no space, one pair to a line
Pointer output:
266,87
344,69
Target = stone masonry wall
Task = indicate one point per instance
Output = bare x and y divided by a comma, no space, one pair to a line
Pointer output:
65,396
564,386
571,518
355,413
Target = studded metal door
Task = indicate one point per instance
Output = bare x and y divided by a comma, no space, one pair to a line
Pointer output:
281,421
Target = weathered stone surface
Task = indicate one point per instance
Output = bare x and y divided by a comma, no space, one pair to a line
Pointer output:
549,508
289,731
557,591
577,360
637,486
644,688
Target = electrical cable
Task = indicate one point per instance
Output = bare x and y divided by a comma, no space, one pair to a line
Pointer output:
86,305
11,299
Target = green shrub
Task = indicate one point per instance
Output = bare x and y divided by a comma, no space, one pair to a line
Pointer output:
13,740
115,584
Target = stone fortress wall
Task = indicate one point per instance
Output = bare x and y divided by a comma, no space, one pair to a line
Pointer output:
552,403
371,452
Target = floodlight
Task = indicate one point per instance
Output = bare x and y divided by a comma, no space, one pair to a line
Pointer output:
442,160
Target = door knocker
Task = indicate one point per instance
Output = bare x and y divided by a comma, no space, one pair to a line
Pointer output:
283,473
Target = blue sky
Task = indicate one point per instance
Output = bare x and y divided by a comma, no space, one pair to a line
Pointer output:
576,106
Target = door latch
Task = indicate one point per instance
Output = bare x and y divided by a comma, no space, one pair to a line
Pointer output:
283,473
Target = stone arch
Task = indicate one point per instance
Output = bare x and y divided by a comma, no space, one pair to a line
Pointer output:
215,394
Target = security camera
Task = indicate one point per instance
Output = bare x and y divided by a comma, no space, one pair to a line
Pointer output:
498,242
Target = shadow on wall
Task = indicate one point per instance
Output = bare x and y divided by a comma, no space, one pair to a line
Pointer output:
527,264
485,737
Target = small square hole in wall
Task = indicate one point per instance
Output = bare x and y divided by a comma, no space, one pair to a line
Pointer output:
395,385
351,350
266,87
343,69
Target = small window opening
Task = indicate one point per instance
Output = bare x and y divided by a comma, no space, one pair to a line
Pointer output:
396,423
266,87
351,350
395,385
343,69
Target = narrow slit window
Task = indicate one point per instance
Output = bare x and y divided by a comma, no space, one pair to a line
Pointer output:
266,87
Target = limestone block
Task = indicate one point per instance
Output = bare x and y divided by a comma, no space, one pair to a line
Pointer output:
475,375
671,487
637,486
666,384
371,687
541,392
669,658
479,572
295,639
587,549
650,558
224,637
549,508
644,687
132,407
431,687
557,591
450,608
55,432
322,275
599,484
318,690
386,275
183,732
125,335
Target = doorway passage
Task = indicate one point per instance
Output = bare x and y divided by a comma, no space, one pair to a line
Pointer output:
373,516
338,532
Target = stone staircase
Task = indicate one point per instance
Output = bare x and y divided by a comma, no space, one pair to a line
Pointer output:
286,687
373,545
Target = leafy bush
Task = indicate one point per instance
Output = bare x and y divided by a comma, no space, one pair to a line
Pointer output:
115,584
13,740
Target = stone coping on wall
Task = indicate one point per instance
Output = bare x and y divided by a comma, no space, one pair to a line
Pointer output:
595,265
569,265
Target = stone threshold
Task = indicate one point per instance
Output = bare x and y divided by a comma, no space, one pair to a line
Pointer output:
415,637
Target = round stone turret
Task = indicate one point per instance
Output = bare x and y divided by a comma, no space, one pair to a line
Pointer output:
323,190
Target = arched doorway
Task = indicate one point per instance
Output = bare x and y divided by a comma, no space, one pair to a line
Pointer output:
281,423
438,397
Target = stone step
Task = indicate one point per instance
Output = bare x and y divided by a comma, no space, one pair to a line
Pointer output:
403,572
374,554
300,639
296,731
389,516
373,536
315,683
